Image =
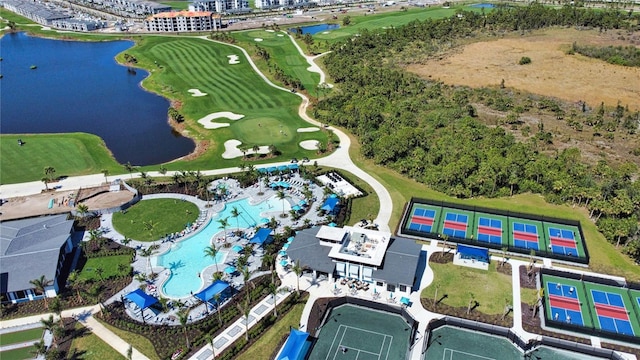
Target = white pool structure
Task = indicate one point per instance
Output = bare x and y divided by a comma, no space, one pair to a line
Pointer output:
186,259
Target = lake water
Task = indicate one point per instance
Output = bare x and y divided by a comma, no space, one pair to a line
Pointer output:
314,29
79,87
483,5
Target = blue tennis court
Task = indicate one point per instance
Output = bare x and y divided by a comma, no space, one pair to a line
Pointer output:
422,220
562,242
490,230
525,236
455,225
611,311
564,303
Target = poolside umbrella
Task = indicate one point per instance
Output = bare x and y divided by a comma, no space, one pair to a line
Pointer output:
273,185
264,220
296,208
333,196
283,168
282,253
271,169
290,240
302,202
284,184
284,263
332,224
229,269
237,248
262,170
285,246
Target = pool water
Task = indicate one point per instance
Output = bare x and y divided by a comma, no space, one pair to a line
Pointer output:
186,259
314,29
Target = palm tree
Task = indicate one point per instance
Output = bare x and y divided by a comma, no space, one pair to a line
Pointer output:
82,210
273,290
246,276
297,269
105,172
270,260
100,272
130,352
125,241
39,348
51,325
147,252
56,308
213,348
95,294
282,196
212,251
435,296
129,168
75,282
40,286
216,297
183,317
45,180
224,223
236,214
245,310
255,149
471,302
48,172
149,226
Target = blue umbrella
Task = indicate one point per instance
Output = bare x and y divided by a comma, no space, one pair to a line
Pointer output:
284,262
332,224
237,248
296,208
282,253
230,269
262,170
285,246
283,168
273,185
290,239
303,202
271,169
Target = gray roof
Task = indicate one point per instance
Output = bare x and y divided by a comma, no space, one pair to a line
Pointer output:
306,248
30,248
400,262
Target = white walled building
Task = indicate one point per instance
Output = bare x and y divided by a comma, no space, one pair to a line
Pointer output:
183,21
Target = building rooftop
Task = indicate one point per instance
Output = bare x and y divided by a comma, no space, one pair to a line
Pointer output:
362,246
173,14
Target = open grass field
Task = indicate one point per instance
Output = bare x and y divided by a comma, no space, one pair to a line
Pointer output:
18,354
21,336
109,264
177,5
70,154
266,345
491,289
184,64
552,72
282,52
89,346
139,342
604,257
150,220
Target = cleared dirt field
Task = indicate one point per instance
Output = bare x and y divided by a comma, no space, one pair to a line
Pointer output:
551,73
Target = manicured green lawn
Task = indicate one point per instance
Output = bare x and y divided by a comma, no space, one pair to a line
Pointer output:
177,5
383,20
89,346
187,63
18,354
139,342
69,154
282,52
21,336
266,345
109,265
491,289
150,220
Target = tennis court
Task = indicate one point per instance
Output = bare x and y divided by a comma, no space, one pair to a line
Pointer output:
354,332
456,223
563,239
423,218
564,303
491,229
453,343
613,309
526,234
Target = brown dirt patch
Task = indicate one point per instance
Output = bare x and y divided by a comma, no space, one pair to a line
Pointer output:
551,73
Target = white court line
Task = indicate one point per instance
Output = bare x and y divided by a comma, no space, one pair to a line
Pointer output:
333,342
452,351
346,327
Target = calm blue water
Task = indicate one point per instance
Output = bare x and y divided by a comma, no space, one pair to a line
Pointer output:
314,29
186,258
483,5
78,86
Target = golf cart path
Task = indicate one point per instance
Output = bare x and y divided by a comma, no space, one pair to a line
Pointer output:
339,159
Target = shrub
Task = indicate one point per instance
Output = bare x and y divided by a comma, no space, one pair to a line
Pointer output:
524,60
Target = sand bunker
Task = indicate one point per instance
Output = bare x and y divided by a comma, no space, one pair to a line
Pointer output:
233,59
309,144
269,30
308,129
257,39
196,93
231,150
208,123
326,32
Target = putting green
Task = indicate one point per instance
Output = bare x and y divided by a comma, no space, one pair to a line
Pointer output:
262,131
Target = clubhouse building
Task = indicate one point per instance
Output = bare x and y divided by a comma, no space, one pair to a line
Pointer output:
368,256
32,248
183,21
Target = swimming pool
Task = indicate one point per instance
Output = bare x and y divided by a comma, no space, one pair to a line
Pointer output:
186,259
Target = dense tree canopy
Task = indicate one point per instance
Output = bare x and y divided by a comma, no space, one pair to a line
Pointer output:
429,131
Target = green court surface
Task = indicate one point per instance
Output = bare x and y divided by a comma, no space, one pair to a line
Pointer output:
550,285
451,343
456,222
490,228
21,336
516,238
365,334
613,317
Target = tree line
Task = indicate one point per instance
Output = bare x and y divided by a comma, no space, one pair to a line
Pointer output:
617,55
430,132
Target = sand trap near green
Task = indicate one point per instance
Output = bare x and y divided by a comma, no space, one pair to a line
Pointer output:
207,121
309,144
232,149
